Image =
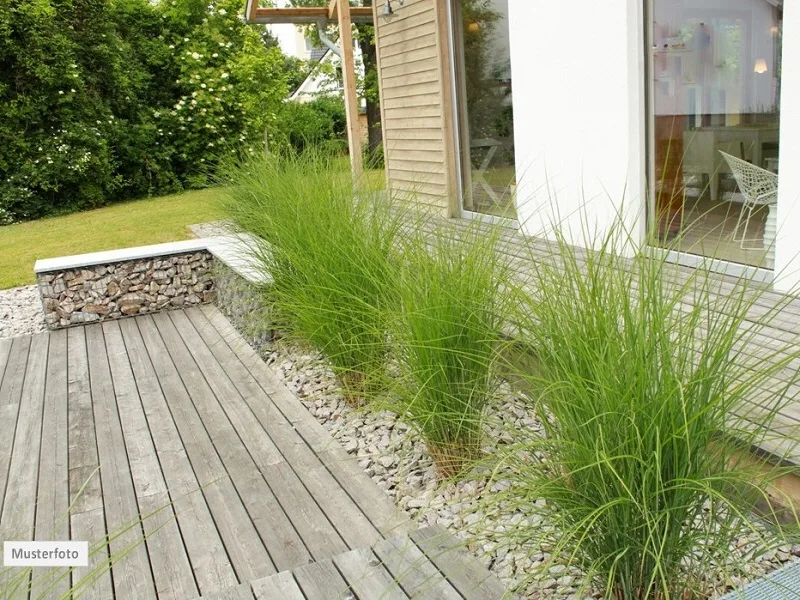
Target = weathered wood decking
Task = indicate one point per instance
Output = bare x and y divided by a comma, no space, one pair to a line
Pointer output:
170,429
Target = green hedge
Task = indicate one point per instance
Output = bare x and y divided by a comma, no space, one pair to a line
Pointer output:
106,100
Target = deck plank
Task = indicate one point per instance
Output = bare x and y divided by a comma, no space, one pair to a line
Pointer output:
158,414
460,568
216,405
17,517
277,587
349,521
315,529
244,546
169,561
10,395
87,516
210,562
5,354
367,577
321,581
52,510
371,500
131,573
239,592
417,575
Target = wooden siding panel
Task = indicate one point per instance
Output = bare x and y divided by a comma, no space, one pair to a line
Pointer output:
432,123
420,144
419,183
405,81
415,134
409,67
406,20
412,90
428,168
415,154
411,99
420,52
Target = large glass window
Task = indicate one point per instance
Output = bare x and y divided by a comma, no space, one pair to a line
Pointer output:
486,116
715,96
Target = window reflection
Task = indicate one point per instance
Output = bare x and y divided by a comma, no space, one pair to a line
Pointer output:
716,72
486,115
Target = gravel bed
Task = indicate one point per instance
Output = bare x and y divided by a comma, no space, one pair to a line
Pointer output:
20,312
394,456
211,229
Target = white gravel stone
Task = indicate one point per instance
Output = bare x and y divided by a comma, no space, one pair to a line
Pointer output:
20,312
395,457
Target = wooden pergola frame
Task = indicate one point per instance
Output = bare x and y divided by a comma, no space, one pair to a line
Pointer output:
341,12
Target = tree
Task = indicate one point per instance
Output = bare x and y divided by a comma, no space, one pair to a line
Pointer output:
231,85
369,85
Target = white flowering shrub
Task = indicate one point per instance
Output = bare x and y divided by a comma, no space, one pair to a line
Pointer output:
101,101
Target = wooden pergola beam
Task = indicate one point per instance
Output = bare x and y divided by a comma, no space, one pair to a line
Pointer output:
345,15
302,15
349,76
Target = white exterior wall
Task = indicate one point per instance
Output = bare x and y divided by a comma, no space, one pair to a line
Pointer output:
787,247
580,122
290,37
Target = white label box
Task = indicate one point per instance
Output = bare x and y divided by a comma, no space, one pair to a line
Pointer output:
45,554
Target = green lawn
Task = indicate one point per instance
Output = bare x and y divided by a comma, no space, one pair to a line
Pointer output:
135,223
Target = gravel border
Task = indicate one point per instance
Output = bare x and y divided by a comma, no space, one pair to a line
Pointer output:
394,456
21,312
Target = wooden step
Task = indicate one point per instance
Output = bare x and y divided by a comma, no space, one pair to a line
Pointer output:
430,564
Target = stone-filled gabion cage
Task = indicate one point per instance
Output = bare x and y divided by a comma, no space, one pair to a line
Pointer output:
85,294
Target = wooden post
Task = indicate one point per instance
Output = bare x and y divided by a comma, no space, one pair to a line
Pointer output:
350,94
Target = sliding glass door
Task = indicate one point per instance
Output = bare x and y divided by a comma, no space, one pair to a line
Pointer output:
485,111
715,86
715,90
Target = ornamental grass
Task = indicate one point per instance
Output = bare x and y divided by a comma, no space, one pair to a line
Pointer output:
328,251
651,386
447,333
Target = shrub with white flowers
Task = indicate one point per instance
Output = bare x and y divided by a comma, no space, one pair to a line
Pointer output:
101,101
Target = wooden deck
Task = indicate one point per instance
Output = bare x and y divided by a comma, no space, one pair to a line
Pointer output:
169,435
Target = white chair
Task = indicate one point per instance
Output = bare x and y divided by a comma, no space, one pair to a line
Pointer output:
759,188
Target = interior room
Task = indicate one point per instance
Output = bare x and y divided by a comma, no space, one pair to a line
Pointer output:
715,88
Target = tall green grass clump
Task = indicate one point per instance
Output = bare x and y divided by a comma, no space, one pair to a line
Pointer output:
328,252
447,332
643,381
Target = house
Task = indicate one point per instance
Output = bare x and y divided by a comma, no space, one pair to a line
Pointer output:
541,114
294,41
